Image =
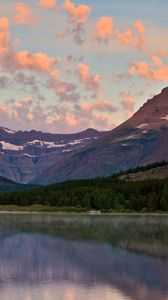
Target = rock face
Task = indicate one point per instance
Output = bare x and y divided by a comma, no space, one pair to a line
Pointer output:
141,140
156,173
25,155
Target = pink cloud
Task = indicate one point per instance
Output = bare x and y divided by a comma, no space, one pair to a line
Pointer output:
103,28
158,72
128,104
13,61
78,17
132,37
24,103
91,82
71,120
4,36
3,108
99,106
39,62
79,13
24,15
140,27
161,52
66,91
105,106
47,3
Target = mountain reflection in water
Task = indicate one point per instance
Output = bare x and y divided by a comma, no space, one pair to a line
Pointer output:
36,265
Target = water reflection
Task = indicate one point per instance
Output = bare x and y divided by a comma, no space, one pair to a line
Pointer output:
41,266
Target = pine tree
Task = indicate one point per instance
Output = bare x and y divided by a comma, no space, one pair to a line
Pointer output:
164,197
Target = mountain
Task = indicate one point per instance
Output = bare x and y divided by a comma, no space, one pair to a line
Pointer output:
154,171
25,155
7,185
141,140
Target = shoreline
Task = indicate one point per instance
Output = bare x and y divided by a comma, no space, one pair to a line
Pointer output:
75,211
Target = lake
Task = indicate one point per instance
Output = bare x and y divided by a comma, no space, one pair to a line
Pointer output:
82,257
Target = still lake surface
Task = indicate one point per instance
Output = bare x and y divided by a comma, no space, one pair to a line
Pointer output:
80,257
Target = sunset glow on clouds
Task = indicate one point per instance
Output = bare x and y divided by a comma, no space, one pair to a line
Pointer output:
47,3
24,15
66,66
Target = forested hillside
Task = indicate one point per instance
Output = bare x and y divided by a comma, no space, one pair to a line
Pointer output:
105,194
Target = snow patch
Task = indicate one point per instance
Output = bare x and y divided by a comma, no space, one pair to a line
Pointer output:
48,145
28,155
165,118
52,145
80,141
12,147
43,143
141,126
75,142
68,150
9,131
130,137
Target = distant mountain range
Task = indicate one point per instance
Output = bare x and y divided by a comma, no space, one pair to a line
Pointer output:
7,185
46,158
26,155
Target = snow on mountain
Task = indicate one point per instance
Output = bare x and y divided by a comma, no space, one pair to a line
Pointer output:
11,147
26,154
8,130
38,143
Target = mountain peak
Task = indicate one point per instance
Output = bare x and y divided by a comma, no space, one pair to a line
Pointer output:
165,90
154,113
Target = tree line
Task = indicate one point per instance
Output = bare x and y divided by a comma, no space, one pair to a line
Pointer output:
105,194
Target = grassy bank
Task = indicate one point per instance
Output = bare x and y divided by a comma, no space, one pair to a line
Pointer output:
53,209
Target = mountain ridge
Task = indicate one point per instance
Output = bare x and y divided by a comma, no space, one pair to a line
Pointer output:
43,158
24,155
140,140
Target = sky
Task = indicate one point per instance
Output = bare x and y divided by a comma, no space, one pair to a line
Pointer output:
66,65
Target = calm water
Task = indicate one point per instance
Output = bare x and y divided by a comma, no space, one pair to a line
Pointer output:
69,257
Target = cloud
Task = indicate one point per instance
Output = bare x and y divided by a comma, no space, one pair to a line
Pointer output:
3,108
78,17
24,15
92,115
97,114
128,104
4,82
105,106
91,82
78,13
71,120
156,72
38,62
25,102
4,36
47,3
99,106
13,61
66,91
161,52
103,29
132,37
140,27
26,80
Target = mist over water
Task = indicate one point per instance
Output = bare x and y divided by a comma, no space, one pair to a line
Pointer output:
70,257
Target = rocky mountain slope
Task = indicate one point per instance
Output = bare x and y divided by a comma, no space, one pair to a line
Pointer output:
155,173
141,140
7,185
25,155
